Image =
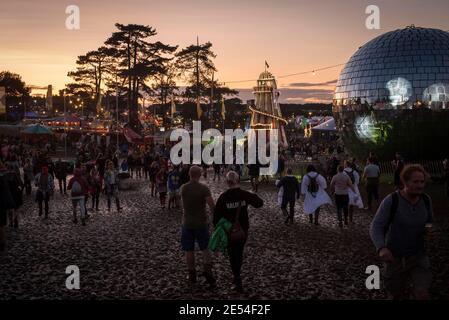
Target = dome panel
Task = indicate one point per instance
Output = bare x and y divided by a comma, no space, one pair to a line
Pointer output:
418,55
393,95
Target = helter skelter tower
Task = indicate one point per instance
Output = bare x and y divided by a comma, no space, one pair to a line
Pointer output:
266,112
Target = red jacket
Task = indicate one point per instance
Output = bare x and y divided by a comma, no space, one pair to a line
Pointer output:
82,181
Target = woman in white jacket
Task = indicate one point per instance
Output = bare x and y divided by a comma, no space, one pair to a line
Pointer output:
313,187
355,199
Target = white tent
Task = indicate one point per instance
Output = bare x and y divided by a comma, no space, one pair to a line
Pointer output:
329,125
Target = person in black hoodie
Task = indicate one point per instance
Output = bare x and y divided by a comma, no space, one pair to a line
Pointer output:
227,206
291,192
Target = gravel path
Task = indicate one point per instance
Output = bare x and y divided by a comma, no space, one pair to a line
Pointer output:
135,254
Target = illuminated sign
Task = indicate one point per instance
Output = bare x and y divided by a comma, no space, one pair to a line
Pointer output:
400,91
368,129
364,127
438,92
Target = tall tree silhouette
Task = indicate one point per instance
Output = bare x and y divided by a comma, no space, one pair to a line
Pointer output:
196,63
14,85
197,66
138,59
91,72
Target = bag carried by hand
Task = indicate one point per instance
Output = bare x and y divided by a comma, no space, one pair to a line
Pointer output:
237,234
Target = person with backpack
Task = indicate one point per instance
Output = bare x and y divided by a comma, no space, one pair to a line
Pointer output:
399,232
78,188
45,187
291,191
313,188
233,206
355,199
340,185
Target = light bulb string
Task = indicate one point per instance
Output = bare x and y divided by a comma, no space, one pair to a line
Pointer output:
294,74
290,75
267,114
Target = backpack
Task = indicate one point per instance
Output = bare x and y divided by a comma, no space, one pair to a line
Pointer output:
395,204
76,188
351,175
313,186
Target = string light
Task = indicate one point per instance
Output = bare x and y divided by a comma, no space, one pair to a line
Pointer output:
268,115
292,74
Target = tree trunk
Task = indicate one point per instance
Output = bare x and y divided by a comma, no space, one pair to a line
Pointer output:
133,116
128,51
197,71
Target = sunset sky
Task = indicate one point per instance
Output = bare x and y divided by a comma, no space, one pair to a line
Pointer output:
292,35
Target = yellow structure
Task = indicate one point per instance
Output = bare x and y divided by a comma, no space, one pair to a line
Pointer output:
266,112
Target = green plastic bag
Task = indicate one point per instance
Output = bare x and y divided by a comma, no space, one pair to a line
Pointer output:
219,239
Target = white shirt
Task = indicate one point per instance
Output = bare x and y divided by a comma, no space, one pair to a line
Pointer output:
314,201
354,197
